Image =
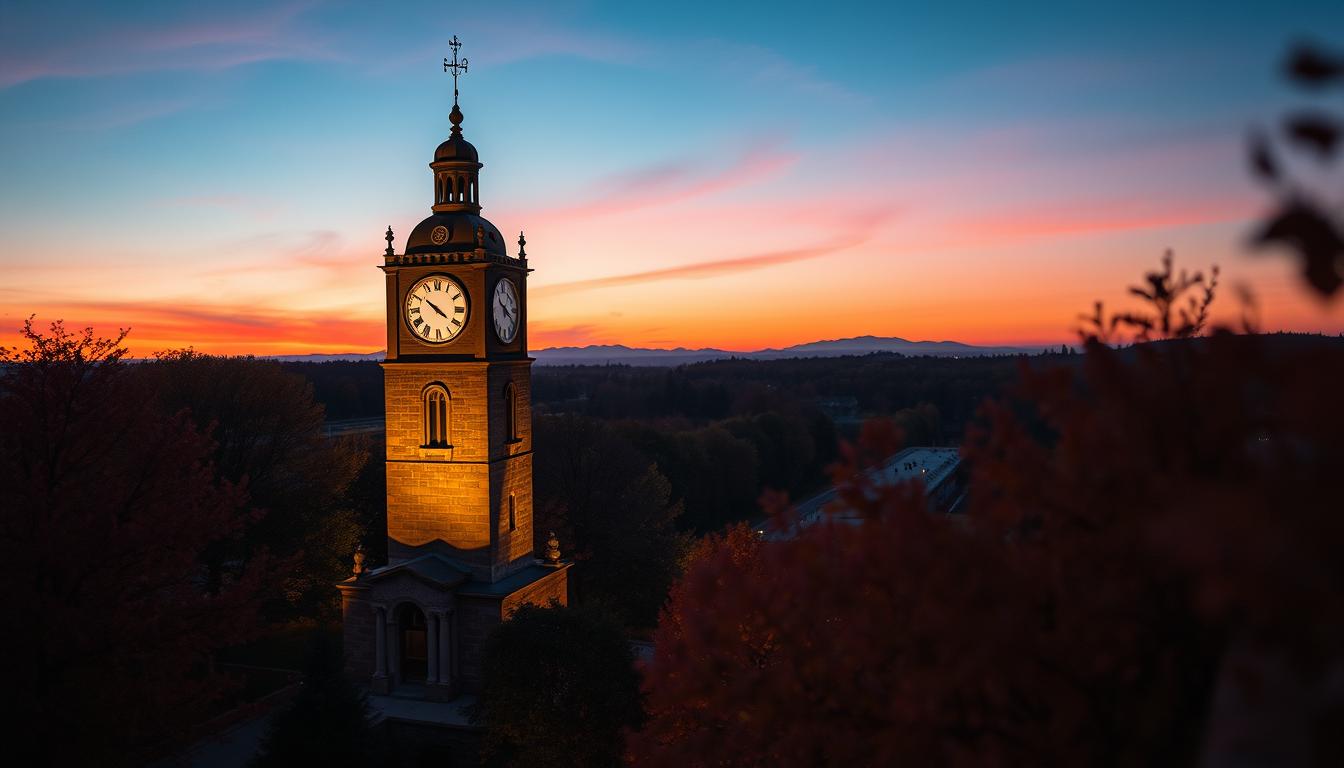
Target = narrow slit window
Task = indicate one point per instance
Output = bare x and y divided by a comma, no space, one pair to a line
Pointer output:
513,514
510,413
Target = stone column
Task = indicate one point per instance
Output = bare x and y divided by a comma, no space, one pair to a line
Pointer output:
453,663
394,651
445,649
432,647
380,642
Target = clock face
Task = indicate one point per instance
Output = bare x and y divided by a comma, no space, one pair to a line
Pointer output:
505,309
436,309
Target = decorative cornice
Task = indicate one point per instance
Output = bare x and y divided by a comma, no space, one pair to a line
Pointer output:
459,257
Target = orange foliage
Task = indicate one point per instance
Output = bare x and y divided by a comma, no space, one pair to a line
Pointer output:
1133,522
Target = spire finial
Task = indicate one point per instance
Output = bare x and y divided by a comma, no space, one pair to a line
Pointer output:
456,67
388,237
522,245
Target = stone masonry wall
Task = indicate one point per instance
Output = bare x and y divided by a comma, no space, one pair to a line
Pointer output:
513,549
358,621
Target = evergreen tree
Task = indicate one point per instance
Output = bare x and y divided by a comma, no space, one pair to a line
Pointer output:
560,689
327,723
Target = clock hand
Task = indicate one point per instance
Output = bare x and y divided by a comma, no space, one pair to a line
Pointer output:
435,308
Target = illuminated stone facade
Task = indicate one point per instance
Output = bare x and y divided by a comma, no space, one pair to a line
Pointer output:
459,450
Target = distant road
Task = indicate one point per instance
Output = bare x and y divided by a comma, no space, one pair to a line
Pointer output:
931,465
342,427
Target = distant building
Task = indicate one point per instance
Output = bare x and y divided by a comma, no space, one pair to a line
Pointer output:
940,469
841,410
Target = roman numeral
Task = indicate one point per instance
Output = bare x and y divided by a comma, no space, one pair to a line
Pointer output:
415,310
438,335
418,322
425,331
457,322
437,285
454,296
459,310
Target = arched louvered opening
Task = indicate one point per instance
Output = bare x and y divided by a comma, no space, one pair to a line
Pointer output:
438,411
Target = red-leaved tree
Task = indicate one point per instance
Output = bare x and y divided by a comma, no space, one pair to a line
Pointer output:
107,505
1152,542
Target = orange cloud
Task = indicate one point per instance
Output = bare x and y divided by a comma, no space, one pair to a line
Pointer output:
216,329
855,234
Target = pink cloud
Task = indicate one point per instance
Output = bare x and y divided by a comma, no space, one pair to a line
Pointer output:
1103,217
671,183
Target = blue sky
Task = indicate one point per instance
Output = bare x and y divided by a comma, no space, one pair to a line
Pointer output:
967,171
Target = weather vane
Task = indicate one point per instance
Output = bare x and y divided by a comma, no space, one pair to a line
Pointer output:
455,66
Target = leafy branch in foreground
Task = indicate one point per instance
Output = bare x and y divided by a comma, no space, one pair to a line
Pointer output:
1307,220
1178,307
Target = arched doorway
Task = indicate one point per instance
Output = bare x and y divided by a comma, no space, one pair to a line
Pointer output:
414,643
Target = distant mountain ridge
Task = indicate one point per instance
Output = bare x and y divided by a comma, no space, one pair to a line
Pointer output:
619,354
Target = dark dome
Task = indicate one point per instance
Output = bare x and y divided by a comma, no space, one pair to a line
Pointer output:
456,148
461,234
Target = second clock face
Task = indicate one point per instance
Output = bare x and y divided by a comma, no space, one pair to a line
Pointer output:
436,309
505,308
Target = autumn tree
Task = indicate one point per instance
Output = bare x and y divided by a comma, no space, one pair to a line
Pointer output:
560,689
610,507
267,434
1151,535
108,506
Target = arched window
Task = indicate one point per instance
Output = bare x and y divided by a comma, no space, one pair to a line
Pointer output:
437,416
513,514
510,413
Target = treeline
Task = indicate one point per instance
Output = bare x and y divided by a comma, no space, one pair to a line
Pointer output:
881,384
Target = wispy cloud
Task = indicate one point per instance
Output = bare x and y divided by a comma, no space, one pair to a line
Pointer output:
854,233
256,208
541,335
675,182
1104,218
766,67
196,44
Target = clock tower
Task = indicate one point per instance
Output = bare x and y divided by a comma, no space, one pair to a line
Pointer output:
459,447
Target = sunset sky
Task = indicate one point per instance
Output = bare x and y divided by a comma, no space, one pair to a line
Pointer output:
719,175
